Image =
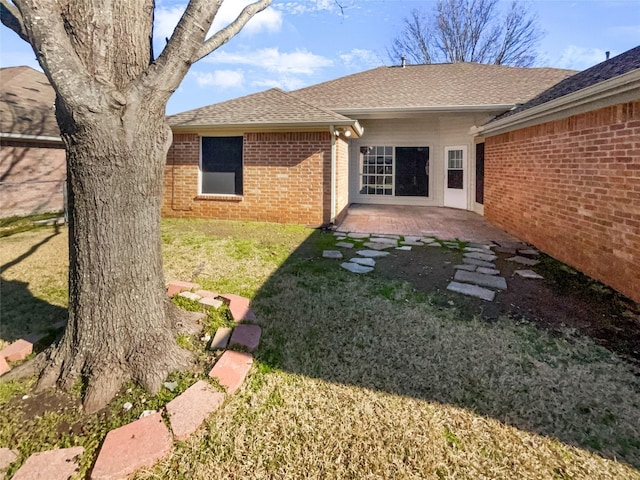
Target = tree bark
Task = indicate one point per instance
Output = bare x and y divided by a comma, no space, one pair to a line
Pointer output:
118,327
111,96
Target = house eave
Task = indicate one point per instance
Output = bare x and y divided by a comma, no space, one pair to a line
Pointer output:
620,89
406,112
353,125
20,136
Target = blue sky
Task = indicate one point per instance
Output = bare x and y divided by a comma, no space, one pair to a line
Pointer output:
298,43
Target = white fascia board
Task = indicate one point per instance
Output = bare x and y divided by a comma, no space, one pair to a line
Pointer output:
20,136
269,127
616,90
392,111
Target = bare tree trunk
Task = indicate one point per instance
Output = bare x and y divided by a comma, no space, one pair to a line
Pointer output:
118,329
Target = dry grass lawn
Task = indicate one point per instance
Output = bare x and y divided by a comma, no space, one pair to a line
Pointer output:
358,378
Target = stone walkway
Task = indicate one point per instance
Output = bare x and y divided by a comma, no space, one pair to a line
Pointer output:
144,442
477,276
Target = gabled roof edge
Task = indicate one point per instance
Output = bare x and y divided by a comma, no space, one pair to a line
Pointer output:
626,85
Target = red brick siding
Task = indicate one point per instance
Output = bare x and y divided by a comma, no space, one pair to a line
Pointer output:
342,178
286,179
572,188
32,177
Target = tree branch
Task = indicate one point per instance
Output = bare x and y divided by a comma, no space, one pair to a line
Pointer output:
223,36
12,18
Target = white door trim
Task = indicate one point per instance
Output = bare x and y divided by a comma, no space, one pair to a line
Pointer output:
456,197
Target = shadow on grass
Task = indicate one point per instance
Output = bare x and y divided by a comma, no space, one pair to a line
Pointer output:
324,322
22,314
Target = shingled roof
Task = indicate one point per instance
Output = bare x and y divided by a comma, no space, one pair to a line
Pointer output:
432,86
271,107
614,67
27,103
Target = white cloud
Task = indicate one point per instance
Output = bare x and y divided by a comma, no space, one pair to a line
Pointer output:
360,59
272,60
308,6
269,20
219,78
284,82
580,58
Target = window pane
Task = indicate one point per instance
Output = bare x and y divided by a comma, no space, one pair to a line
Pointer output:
222,165
454,179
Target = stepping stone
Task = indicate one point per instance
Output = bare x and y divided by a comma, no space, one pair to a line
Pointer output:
409,238
372,253
341,238
190,296
376,246
434,244
187,411
478,249
486,257
239,308
221,338
427,239
338,234
177,286
7,457
488,271
511,251
480,245
138,444
335,254
529,251
480,279
211,302
468,268
206,293
477,263
404,248
528,274
356,267
344,244
231,370
523,260
358,236
18,350
58,464
367,262
472,290
247,336
385,240
413,244
388,235
4,366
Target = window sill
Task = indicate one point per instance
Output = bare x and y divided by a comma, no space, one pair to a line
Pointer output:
220,198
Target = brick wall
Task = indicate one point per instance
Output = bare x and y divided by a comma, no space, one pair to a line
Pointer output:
286,179
572,188
32,177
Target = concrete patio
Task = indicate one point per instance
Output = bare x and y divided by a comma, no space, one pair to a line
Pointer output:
443,223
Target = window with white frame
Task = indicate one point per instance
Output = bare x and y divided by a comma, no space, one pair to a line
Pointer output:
455,168
221,166
376,170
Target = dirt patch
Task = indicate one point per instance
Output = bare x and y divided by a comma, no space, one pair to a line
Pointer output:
565,299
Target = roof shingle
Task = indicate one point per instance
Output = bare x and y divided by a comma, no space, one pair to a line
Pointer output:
269,107
434,85
27,103
614,67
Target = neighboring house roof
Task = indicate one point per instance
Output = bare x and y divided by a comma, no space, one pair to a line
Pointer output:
614,67
613,81
27,104
451,86
272,107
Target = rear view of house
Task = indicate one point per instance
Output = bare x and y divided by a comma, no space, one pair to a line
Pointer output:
390,135
32,156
